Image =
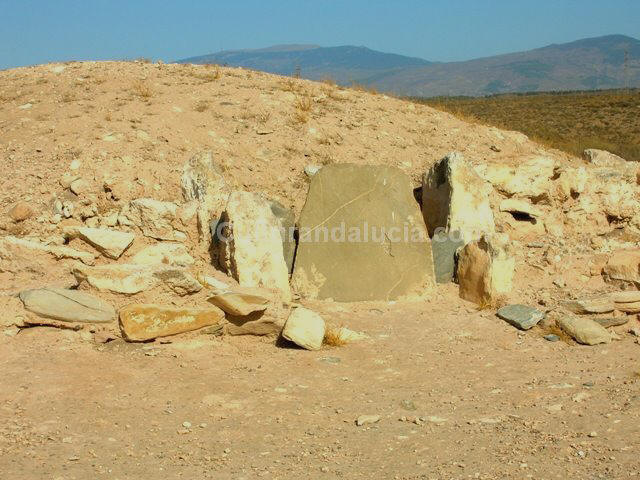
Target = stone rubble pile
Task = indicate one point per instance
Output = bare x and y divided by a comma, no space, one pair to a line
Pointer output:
361,236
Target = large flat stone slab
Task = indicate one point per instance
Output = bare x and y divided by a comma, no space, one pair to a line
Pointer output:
67,305
111,243
147,321
362,237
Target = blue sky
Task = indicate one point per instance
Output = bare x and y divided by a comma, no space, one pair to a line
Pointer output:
38,31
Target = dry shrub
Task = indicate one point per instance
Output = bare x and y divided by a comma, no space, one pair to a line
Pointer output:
201,106
491,303
304,103
332,337
263,117
358,87
142,89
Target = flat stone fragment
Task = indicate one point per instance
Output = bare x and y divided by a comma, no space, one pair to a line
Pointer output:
362,237
164,253
111,243
58,252
607,322
521,316
625,296
147,321
305,328
367,419
584,330
602,304
630,307
240,302
124,278
67,305
623,265
179,280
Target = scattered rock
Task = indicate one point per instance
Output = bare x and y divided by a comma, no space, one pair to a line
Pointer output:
521,316
584,330
203,181
602,158
630,307
551,338
179,280
311,170
164,253
305,328
530,179
154,218
124,278
601,304
627,296
241,302
266,322
111,243
67,305
78,186
367,420
361,237
456,199
444,247
20,212
252,248
146,322
485,269
608,322
623,265
58,252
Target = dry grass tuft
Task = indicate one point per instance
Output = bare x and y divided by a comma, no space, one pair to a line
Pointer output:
263,117
491,303
201,106
332,338
142,89
68,97
304,103
358,87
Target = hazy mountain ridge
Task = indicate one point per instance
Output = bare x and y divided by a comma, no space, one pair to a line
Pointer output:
592,63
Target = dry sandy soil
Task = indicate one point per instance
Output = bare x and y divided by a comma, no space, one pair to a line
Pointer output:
460,393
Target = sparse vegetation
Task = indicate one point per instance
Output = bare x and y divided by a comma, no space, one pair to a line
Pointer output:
142,89
332,338
568,121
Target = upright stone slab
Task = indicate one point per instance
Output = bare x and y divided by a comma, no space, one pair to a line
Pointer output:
362,237
287,220
456,199
251,245
202,180
485,269
444,247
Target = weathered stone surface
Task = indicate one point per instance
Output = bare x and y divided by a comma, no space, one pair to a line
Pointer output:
252,249
164,253
110,243
203,180
522,207
67,305
362,237
456,199
530,179
287,220
444,247
521,316
628,307
127,279
602,158
624,265
179,280
305,328
154,218
607,322
485,269
601,304
584,330
58,252
20,212
626,296
266,322
146,322
241,302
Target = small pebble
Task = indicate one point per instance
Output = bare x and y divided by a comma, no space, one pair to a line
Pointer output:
186,424
551,337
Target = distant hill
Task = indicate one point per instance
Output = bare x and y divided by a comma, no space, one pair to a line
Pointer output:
588,64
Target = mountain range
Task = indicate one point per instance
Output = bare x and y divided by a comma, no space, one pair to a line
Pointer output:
611,61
